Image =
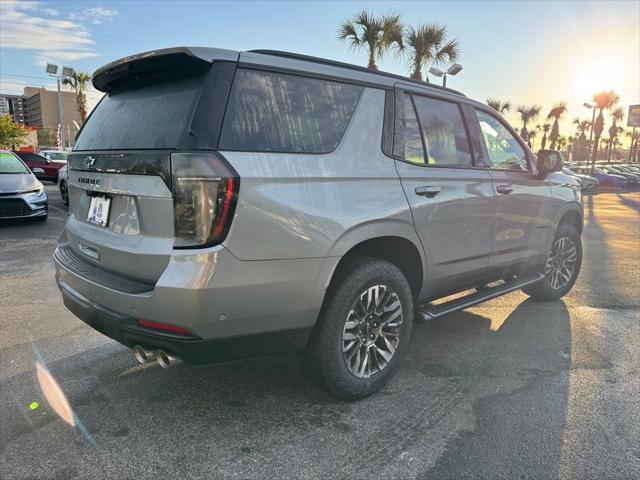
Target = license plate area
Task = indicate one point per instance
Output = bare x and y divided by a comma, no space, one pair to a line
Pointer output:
98,213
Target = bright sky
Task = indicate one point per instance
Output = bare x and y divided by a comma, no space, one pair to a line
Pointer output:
522,51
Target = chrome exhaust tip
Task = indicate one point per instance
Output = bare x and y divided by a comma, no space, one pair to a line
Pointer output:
143,355
165,360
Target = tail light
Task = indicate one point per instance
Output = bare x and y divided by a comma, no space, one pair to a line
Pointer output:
205,192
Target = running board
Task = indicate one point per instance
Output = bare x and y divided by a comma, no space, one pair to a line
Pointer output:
431,312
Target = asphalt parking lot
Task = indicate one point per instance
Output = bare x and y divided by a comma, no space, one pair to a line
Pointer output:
510,389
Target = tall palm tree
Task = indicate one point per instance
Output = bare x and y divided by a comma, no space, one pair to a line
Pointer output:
557,111
79,81
616,116
545,129
582,126
499,106
376,34
604,100
429,45
527,114
533,133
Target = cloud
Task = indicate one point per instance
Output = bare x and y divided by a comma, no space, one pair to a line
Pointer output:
23,26
51,12
95,15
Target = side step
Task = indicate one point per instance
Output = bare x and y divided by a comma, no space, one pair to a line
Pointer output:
431,312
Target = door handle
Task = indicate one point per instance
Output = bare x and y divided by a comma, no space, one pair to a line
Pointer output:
428,190
504,189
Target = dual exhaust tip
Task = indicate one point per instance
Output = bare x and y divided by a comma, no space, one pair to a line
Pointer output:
142,355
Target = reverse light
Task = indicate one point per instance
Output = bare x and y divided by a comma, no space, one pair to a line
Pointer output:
165,327
205,192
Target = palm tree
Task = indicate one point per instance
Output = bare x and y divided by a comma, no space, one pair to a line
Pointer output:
581,127
499,106
78,81
545,129
428,44
527,114
603,101
533,133
557,111
616,116
372,33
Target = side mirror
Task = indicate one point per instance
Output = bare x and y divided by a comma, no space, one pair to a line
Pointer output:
37,171
549,161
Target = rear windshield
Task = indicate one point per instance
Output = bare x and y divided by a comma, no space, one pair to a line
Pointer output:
9,163
150,116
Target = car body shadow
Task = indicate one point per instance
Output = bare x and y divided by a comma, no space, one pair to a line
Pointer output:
262,418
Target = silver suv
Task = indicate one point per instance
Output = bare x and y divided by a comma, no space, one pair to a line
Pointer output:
230,204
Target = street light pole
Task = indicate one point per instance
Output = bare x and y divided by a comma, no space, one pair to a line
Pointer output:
593,119
452,70
60,113
52,70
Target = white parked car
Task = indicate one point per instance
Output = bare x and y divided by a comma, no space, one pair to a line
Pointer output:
58,156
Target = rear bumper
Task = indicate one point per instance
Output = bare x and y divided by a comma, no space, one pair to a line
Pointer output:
210,292
193,350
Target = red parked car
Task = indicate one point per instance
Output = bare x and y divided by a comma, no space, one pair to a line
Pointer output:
50,168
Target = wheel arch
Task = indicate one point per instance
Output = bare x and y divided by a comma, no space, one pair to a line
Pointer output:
572,217
405,253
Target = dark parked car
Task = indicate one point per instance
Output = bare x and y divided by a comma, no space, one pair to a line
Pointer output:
21,194
605,179
48,166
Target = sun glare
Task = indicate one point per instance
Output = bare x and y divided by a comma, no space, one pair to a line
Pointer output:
600,74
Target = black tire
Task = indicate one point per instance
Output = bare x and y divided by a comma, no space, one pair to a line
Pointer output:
42,218
324,358
64,193
543,290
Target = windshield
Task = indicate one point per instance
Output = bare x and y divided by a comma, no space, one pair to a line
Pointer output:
9,163
150,116
58,155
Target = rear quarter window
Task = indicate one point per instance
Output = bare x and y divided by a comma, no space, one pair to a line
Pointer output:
275,112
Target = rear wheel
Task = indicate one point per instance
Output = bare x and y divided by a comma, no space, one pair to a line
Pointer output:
362,334
561,268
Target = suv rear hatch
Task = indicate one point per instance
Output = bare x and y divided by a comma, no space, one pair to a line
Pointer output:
144,177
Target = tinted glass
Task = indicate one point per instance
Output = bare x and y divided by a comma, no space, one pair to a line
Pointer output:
9,163
58,155
149,116
413,150
273,112
505,152
445,137
31,157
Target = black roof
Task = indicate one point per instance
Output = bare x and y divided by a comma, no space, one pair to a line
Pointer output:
335,63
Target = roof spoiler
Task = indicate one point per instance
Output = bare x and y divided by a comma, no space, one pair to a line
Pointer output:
155,63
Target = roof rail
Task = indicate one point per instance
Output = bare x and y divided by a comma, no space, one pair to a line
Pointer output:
350,66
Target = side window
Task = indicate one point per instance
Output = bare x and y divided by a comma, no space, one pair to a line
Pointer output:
31,158
505,153
445,137
275,112
413,149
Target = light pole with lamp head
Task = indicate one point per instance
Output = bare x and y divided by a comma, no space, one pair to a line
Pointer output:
67,72
593,119
452,70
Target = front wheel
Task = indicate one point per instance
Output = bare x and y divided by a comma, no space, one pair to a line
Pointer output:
561,268
362,334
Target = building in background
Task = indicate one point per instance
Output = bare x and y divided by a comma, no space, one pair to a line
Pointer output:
12,105
41,111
